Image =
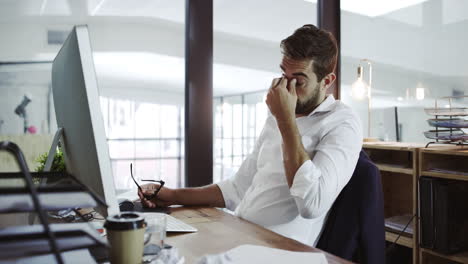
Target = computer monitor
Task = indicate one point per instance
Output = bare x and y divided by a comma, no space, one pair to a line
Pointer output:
78,112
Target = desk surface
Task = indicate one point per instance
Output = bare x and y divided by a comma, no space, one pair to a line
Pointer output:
219,231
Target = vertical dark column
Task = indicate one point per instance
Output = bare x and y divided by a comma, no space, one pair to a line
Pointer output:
198,92
329,18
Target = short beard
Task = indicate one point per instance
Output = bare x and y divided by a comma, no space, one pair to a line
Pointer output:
305,108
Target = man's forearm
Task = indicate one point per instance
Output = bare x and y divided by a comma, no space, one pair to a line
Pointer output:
209,195
294,154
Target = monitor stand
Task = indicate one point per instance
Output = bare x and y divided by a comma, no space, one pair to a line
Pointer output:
53,149
48,164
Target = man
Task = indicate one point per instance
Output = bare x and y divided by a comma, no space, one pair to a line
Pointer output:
303,158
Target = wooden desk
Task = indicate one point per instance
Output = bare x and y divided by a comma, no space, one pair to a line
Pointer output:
219,231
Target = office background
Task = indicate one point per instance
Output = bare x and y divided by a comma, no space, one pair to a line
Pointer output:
139,53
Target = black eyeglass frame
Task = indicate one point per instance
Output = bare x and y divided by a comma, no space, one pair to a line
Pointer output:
151,196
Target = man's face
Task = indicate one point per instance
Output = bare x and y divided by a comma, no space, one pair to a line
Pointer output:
307,87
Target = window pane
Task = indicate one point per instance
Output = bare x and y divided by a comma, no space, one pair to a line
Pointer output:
146,120
121,172
237,162
170,172
217,173
170,148
169,116
121,119
217,148
227,120
147,148
227,148
147,170
121,149
237,147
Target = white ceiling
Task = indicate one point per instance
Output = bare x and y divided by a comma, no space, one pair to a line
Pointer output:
242,17
262,20
245,18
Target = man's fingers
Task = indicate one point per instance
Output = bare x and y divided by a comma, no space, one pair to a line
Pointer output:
292,86
275,82
144,202
148,192
147,203
154,203
283,83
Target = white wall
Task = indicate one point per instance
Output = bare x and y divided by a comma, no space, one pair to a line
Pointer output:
34,82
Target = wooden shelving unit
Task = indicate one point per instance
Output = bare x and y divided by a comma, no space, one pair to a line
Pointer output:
401,165
398,165
447,162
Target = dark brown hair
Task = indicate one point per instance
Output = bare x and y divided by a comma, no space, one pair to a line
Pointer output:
310,43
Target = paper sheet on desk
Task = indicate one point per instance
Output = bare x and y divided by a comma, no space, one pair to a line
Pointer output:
259,255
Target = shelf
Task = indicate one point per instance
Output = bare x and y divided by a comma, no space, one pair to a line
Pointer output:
393,160
460,257
447,150
445,162
446,175
21,203
67,192
21,241
398,146
394,168
402,241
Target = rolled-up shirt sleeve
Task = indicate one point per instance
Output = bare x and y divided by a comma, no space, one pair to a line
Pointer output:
318,182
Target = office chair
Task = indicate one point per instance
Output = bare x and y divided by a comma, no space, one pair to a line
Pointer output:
354,229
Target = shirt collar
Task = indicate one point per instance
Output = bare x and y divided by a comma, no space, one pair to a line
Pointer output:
325,106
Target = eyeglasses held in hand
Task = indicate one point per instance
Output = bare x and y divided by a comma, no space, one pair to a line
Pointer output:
151,196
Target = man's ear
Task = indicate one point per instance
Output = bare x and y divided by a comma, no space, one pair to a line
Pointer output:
328,80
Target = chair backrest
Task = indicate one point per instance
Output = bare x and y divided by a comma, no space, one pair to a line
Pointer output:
354,229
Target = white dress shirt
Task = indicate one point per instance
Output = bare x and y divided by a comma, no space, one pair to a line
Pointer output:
259,193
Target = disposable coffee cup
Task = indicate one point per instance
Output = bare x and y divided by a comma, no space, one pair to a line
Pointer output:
125,233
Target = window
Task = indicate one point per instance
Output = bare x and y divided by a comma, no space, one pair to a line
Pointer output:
149,135
238,123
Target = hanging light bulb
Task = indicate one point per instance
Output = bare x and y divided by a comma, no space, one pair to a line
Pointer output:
359,87
420,93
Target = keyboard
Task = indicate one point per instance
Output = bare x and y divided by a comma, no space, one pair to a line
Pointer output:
173,224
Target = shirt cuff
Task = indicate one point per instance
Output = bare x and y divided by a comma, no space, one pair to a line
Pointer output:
306,176
229,192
